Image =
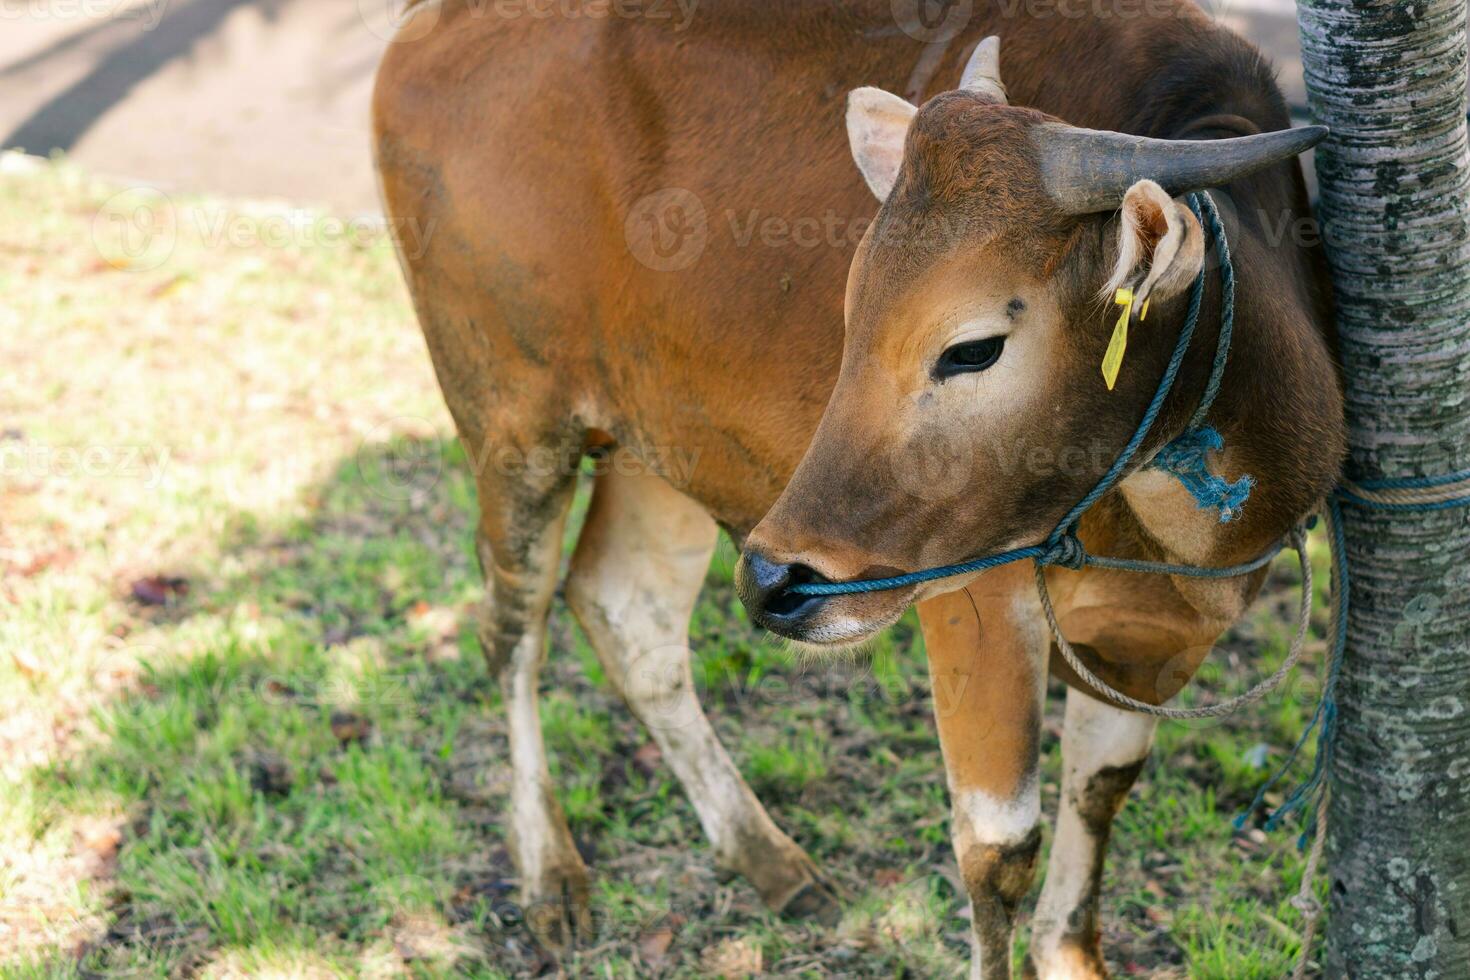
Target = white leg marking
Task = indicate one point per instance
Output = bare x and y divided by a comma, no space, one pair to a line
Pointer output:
1096,737
531,819
543,844
985,819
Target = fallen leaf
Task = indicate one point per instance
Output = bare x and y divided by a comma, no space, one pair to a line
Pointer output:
101,837
168,288
159,590
27,663
887,876
647,758
732,958
270,775
279,690
654,945
37,563
349,727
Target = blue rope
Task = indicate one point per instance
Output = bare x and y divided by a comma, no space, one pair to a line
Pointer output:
1414,482
1227,313
1068,524
1380,494
1324,719
1311,793
1349,498
1187,460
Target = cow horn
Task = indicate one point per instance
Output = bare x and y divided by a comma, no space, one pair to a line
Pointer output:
1086,171
982,72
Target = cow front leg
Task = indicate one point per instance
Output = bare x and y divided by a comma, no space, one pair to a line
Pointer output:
1103,749
988,648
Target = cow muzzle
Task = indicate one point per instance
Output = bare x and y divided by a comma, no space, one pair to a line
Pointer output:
764,582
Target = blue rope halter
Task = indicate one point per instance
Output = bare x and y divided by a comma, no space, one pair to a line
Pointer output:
1183,457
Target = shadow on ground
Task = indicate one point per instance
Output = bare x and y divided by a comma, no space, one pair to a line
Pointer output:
317,782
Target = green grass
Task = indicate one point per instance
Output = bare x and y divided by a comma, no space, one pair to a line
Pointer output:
176,797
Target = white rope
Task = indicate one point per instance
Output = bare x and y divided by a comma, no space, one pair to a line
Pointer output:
1298,644
1445,493
1306,901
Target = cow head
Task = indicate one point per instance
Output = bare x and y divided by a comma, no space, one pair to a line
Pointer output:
970,412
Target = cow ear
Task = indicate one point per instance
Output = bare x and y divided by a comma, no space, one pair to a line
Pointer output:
877,122
1161,246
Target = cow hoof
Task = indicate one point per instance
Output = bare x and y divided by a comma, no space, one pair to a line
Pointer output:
558,911
805,893
786,878
815,901
1071,962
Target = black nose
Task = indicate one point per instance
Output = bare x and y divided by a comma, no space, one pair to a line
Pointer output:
765,588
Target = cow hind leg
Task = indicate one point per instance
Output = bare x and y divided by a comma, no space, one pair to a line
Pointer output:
1103,750
640,561
519,547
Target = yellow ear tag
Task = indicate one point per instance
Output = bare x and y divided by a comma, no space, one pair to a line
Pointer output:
1113,359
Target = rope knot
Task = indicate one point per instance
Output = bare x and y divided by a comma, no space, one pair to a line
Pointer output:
1307,905
1187,459
1065,552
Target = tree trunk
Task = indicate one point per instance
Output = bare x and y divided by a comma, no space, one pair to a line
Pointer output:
1388,76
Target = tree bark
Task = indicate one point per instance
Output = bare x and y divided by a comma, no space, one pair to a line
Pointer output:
1388,76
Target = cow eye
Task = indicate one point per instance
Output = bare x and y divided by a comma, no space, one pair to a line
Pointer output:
971,356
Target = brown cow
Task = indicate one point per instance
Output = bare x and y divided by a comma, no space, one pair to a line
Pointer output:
641,231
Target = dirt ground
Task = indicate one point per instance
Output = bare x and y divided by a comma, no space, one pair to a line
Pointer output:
262,98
